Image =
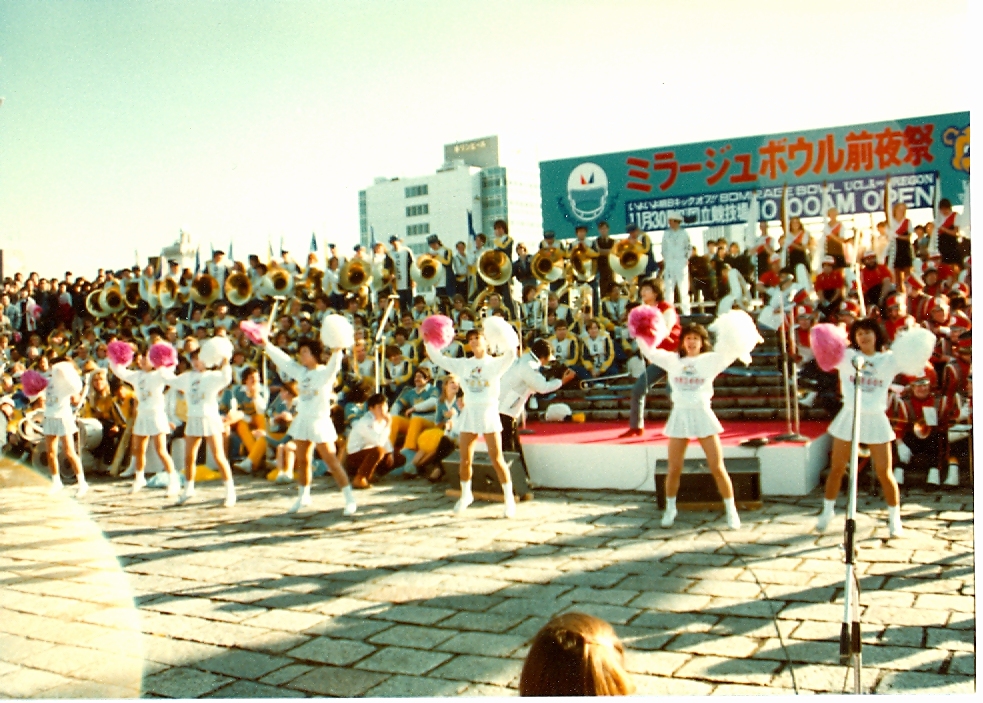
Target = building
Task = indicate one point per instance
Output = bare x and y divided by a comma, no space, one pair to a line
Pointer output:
470,190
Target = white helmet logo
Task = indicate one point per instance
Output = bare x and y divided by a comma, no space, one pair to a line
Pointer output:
587,191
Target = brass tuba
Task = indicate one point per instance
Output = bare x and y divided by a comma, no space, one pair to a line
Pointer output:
583,261
494,267
427,269
627,259
131,293
111,299
238,288
354,274
547,265
169,293
278,283
92,303
205,289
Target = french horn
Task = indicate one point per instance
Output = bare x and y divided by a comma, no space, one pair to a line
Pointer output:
627,259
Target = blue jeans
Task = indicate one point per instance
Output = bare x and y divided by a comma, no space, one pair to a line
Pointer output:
636,411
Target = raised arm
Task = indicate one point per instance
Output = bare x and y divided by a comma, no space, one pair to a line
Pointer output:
445,362
283,362
124,374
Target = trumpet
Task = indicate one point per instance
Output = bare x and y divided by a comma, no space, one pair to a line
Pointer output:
205,290
426,270
238,289
583,261
547,265
628,259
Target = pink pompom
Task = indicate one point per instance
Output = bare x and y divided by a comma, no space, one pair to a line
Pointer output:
437,330
829,343
120,353
162,354
33,383
254,332
34,310
647,324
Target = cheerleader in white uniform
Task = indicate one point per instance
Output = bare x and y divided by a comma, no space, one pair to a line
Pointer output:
312,426
480,376
151,423
63,389
690,373
911,351
201,387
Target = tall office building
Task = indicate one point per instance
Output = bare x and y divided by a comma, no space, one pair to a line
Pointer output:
470,187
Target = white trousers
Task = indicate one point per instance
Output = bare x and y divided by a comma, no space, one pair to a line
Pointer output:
673,277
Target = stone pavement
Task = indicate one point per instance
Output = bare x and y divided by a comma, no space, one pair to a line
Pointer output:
122,595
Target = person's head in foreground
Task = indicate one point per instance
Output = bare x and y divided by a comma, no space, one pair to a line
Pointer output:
575,654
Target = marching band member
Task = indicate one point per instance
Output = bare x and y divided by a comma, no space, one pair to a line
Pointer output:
566,348
945,235
480,375
150,426
834,240
598,349
218,268
462,265
798,246
201,387
442,254
909,354
641,238
691,373
676,249
895,320
413,411
402,260
312,427
251,398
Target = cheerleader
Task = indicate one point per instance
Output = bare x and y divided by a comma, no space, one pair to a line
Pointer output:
691,372
867,340
312,427
480,376
899,256
201,386
151,423
61,387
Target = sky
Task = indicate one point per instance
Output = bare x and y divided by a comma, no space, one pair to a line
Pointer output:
124,122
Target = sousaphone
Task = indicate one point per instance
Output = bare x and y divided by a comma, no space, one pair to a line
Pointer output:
205,289
426,270
627,259
111,299
547,265
354,274
238,288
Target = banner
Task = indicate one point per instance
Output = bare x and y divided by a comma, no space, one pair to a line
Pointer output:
712,182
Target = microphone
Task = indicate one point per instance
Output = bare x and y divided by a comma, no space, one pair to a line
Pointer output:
858,362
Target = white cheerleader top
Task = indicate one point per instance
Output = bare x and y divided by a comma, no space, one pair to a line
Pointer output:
480,378
875,381
149,386
690,378
314,386
201,389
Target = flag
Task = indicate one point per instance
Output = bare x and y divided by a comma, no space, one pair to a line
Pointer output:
160,266
269,252
212,247
198,260
887,199
471,233
231,258
136,256
281,245
372,237
783,215
313,243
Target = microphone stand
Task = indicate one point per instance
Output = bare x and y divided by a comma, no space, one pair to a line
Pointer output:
789,436
518,319
266,372
850,644
391,300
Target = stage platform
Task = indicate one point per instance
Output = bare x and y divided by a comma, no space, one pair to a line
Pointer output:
590,455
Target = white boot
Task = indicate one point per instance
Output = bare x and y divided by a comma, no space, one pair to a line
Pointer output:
894,526
230,494
952,477
350,506
139,481
173,484
669,514
303,499
466,498
509,500
733,519
188,493
130,470
56,485
933,477
826,516
899,475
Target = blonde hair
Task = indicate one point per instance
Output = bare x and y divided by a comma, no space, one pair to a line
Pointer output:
575,654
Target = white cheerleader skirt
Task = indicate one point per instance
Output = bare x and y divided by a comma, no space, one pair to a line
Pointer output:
692,423
479,419
151,424
317,430
207,426
59,426
875,428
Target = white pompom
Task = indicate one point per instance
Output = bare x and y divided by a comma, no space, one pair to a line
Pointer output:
735,335
65,379
213,351
912,349
337,332
557,412
499,334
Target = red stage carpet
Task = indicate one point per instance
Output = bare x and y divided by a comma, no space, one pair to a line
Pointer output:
607,432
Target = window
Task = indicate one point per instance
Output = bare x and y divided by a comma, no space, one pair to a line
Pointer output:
412,230
416,191
416,210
